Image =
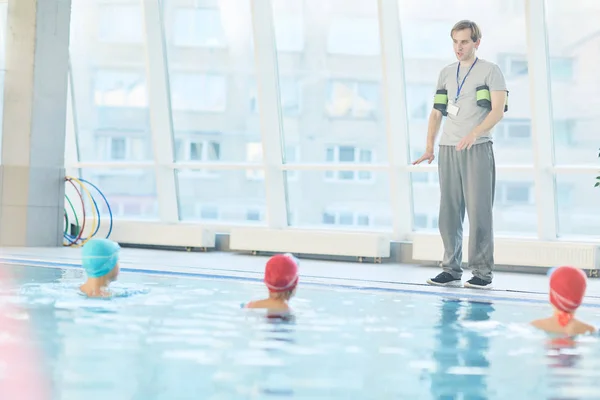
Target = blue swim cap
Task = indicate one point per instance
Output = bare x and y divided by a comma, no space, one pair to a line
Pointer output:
99,257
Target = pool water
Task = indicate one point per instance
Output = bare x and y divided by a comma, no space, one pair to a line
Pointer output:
181,338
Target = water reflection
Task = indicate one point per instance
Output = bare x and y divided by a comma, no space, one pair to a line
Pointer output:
25,274
280,335
460,352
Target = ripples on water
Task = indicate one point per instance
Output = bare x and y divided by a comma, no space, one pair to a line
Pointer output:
171,338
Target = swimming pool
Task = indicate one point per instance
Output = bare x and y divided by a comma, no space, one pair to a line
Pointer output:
182,338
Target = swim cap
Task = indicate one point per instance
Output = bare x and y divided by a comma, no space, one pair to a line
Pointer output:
281,273
567,288
99,257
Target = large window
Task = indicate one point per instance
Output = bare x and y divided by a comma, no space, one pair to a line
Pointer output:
574,80
211,72
337,75
231,198
576,111
108,67
428,48
193,148
130,192
335,146
120,146
577,203
352,99
514,205
348,154
290,96
353,35
319,203
120,87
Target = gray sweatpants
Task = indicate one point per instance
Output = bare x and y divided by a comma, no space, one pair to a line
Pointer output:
467,178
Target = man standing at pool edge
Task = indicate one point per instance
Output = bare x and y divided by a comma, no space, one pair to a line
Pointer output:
467,170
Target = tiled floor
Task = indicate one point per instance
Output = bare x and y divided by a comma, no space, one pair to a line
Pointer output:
383,276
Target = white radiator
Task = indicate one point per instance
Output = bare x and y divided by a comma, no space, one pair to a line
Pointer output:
156,233
518,252
298,241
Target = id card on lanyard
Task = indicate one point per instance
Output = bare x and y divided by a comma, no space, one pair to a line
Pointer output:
452,107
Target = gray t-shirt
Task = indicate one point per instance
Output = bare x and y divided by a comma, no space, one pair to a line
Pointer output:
470,114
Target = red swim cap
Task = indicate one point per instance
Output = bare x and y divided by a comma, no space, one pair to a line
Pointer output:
567,288
281,273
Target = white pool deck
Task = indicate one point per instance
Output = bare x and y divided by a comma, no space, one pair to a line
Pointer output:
368,276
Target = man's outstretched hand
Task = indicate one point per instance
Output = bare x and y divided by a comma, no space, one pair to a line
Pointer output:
427,156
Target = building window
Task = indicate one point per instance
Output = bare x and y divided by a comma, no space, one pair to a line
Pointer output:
352,99
118,148
120,88
198,92
254,215
113,148
420,221
515,193
348,154
254,154
515,65
120,23
207,212
328,218
290,96
429,178
345,218
419,101
352,35
130,206
198,27
564,130
513,131
197,150
425,222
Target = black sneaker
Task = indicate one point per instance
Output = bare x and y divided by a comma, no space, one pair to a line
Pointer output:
445,279
478,283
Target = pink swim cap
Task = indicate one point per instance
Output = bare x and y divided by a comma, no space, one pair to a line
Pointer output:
567,288
281,273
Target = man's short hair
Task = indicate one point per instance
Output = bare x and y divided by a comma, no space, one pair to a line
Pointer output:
466,24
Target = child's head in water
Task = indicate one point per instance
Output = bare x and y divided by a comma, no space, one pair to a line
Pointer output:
100,260
567,289
281,278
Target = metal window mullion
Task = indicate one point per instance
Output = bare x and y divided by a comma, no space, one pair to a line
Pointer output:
396,117
267,79
161,121
71,142
541,118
